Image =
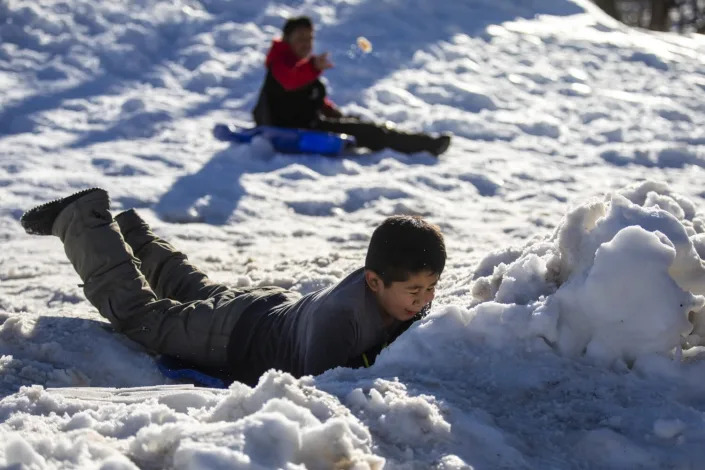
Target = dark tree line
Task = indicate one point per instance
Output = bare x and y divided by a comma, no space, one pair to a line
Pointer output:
684,16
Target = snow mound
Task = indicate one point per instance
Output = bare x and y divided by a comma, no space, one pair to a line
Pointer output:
280,423
619,279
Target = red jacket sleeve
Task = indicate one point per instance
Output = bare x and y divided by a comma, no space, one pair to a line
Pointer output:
290,71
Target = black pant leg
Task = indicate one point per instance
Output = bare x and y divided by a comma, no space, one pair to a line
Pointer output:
198,332
168,271
377,136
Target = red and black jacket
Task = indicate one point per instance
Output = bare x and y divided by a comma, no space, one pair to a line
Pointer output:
292,94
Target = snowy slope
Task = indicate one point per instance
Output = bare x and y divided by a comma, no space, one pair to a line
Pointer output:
562,335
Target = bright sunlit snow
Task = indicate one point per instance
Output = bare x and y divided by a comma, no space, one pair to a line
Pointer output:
569,326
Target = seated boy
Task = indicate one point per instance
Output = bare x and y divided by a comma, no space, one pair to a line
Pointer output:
152,294
293,96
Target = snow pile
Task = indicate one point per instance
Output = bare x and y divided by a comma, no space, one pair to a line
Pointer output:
619,279
280,423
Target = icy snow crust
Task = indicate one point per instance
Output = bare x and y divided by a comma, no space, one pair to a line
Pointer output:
569,327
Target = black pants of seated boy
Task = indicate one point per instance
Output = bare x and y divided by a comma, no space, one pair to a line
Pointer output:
379,136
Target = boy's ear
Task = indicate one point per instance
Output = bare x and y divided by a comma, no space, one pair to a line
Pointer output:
373,280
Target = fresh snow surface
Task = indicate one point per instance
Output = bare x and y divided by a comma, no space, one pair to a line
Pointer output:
569,326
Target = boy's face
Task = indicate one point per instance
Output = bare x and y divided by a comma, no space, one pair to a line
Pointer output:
404,299
301,41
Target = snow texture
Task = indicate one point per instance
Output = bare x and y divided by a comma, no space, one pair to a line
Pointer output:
569,326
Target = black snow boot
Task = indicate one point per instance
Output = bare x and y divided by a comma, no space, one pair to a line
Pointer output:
39,220
440,144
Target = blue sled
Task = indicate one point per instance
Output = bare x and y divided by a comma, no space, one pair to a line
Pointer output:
286,140
177,370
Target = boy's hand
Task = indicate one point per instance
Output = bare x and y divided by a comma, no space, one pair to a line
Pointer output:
321,61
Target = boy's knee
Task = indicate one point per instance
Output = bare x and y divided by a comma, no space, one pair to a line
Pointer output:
134,230
129,220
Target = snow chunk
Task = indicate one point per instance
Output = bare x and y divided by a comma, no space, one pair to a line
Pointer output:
668,428
20,453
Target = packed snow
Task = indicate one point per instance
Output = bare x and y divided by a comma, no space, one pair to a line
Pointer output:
569,326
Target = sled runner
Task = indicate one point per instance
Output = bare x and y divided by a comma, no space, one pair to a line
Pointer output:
182,372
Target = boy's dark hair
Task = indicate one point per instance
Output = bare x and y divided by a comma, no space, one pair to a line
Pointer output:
292,24
404,245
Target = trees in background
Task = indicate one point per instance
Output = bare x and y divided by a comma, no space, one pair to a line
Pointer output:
684,16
